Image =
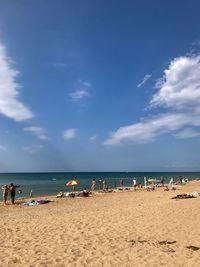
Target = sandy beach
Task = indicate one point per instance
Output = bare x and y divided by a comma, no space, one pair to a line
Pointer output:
111,229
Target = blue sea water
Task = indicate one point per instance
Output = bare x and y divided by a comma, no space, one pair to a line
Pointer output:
51,183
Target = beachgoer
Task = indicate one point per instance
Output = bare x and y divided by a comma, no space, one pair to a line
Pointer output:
85,193
134,183
60,194
31,193
121,183
166,188
162,181
145,182
5,189
171,181
104,185
100,184
12,190
180,179
93,184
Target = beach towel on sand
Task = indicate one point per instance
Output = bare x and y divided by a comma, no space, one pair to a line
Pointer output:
36,202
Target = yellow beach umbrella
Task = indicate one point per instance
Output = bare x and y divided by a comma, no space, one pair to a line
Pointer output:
152,180
72,183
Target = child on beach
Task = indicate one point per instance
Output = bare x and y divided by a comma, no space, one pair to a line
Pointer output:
5,189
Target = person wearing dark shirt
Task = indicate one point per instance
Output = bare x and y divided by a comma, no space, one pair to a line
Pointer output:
12,190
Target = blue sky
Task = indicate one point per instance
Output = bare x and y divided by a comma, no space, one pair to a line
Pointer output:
99,85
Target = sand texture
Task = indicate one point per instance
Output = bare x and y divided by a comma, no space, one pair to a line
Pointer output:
111,229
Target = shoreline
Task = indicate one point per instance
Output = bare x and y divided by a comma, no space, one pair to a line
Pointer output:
99,192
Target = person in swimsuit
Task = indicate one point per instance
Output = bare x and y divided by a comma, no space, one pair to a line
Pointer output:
12,190
93,184
5,189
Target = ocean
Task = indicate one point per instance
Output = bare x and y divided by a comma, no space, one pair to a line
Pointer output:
51,183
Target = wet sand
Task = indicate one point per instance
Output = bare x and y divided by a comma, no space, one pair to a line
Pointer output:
111,229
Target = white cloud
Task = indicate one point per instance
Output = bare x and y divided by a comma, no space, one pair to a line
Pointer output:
187,133
178,92
87,84
82,92
10,105
2,147
32,148
146,131
69,134
37,131
93,138
79,94
180,86
145,79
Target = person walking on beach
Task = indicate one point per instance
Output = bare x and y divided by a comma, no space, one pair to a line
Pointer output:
162,181
134,183
5,189
12,190
181,180
100,184
31,193
145,182
93,184
121,183
171,181
104,185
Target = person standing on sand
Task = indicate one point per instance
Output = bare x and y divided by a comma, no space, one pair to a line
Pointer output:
93,184
162,181
145,182
5,189
12,190
171,181
134,183
104,185
31,193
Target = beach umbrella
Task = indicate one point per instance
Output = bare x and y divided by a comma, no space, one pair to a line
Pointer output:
72,183
152,180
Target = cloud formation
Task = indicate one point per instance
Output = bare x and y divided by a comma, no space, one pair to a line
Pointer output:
93,138
32,148
10,105
180,86
82,92
178,92
187,133
145,79
37,131
69,134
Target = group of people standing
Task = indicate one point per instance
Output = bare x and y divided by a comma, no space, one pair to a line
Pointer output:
9,190
102,184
